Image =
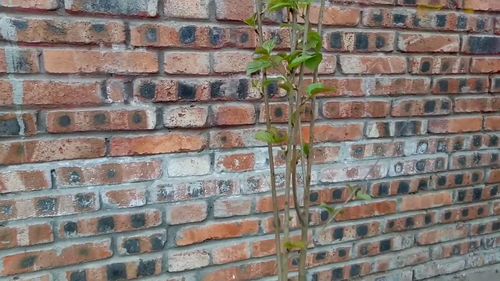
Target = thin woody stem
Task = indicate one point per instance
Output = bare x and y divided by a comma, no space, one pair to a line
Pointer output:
277,227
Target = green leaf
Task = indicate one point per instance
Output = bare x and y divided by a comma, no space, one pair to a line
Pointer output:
314,40
318,88
269,45
278,5
264,136
257,65
363,196
299,60
306,148
295,245
313,62
251,21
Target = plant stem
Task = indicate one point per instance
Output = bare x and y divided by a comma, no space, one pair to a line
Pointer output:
310,157
277,227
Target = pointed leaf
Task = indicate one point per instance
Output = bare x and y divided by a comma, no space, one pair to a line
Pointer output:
251,21
313,62
299,60
318,88
264,136
306,148
295,245
363,196
257,65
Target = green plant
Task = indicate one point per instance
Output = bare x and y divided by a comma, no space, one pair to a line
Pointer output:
289,73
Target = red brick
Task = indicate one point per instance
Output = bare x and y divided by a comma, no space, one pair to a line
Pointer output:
356,109
228,207
197,9
130,119
246,272
353,172
216,231
439,65
116,223
236,163
395,128
17,152
367,210
338,16
421,107
334,133
458,85
187,63
372,64
15,60
232,253
418,166
477,104
55,31
443,234
400,86
480,45
125,269
30,4
124,198
485,65
473,160
144,242
39,92
187,212
349,232
6,90
18,181
81,61
411,222
494,176
492,123
167,90
416,43
279,113
345,41
185,116
157,144
52,258
233,114
426,201
484,5
18,123
106,174
49,206
231,61
432,3
115,90
234,10
20,236
455,125
141,8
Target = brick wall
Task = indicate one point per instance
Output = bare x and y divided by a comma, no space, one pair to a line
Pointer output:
127,145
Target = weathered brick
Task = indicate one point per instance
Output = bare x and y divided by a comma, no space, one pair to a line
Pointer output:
141,8
41,93
398,86
477,104
51,258
459,85
417,43
19,181
187,63
195,211
106,174
157,144
49,206
426,201
189,166
455,125
421,107
350,110
372,64
17,152
234,10
441,234
145,242
30,4
121,62
481,45
187,260
233,114
18,124
124,198
228,207
20,236
486,5
93,225
197,9
62,121
338,16
360,41
485,65
439,65
185,116
216,231
233,253
16,60
57,31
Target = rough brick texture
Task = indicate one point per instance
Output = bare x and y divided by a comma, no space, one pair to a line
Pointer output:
127,147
